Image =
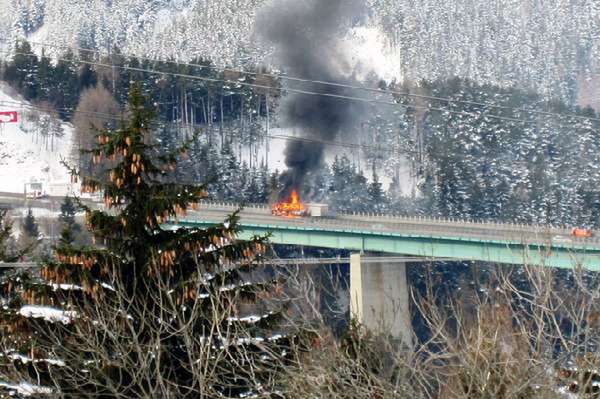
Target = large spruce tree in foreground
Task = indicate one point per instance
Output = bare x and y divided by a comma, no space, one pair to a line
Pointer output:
150,311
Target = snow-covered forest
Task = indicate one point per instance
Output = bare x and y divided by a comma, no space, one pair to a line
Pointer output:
550,47
518,158
526,59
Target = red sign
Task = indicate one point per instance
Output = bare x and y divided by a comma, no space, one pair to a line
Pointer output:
8,116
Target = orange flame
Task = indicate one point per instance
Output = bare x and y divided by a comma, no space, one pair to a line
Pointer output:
292,208
294,198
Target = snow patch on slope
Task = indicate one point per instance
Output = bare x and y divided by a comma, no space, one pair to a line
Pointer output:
22,160
41,36
367,49
47,313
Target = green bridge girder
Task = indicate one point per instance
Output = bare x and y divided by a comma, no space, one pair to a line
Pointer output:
427,246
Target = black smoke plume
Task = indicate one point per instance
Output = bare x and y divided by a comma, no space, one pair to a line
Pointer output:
306,36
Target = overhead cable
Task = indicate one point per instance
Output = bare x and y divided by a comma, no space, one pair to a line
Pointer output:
328,83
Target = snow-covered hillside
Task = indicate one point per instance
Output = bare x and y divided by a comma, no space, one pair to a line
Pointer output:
551,47
219,30
22,159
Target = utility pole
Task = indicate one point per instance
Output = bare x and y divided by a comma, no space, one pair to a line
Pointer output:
267,127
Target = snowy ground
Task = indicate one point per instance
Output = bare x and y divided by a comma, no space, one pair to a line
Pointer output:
22,160
368,52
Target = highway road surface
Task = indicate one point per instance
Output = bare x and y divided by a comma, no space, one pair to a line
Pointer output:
458,229
466,230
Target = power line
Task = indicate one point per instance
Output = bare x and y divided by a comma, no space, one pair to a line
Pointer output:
67,111
348,145
296,91
334,143
329,83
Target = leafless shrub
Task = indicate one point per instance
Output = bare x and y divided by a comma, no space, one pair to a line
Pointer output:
528,332
120,338
96,110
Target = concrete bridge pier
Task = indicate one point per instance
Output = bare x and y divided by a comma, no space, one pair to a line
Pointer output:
379,296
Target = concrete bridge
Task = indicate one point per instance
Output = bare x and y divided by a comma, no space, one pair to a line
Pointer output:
378,288
416,236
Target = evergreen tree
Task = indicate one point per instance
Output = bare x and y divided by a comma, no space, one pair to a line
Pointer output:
45,77
29,240
263,184
318,182
21,73
359,196
155,311
275,187
231,179
64,94
377,197
30,226
6,255
348,189
251,192
67,213
87,77
243,180
67,219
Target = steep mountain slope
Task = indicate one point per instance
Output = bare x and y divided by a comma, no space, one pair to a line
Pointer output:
219,30
550,47
546,46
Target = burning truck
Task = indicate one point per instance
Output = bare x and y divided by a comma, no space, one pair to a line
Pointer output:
294,208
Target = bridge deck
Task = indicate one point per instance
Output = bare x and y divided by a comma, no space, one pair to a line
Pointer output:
502,243
427,237
459,230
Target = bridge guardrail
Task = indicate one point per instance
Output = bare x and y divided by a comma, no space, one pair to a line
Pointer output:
432,221
454,222
402,218
369,217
